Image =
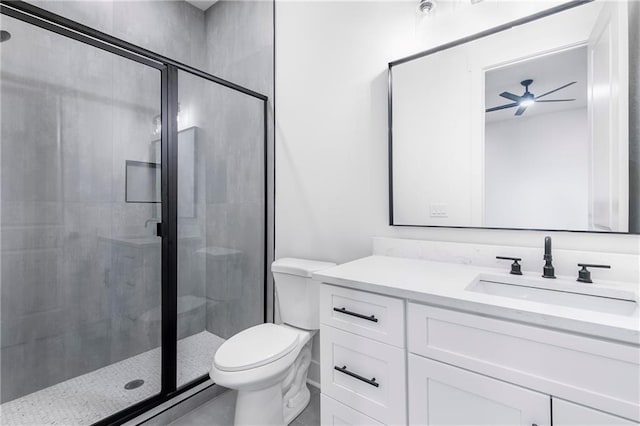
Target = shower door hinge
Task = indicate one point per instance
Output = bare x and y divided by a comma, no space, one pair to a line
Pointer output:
159,229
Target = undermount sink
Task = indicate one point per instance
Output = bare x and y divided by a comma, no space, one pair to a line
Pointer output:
558,292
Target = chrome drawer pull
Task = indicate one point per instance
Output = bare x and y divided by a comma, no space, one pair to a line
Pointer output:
355,314
344,370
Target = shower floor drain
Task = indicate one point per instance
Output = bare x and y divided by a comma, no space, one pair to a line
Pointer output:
134,384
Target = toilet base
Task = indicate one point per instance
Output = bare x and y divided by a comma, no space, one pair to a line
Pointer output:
260,407
273,411
295,406
280,403
296,393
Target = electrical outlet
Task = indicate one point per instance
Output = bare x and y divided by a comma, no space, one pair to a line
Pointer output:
438,210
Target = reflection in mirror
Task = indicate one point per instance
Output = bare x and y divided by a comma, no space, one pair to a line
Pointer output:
537,143
527,128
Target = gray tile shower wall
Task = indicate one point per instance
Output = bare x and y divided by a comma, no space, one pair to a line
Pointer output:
71,297
71,300
75,295
230,165
240,41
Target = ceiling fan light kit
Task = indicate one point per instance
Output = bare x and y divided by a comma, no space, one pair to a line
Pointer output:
527,99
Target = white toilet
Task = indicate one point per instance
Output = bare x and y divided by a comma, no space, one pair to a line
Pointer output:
268,363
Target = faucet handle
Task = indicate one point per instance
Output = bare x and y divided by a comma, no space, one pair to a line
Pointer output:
515,266
584,275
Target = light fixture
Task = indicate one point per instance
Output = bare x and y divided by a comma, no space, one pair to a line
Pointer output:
527,100
426,7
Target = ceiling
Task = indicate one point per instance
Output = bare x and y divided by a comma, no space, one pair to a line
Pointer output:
202,4
548,72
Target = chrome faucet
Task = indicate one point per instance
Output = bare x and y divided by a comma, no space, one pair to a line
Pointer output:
548,271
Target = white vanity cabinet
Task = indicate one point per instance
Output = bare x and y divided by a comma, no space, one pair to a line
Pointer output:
590,371
441,394
387,360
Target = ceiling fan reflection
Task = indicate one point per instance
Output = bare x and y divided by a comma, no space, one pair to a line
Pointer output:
527,98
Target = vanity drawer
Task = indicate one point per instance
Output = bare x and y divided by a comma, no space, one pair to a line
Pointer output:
590,371
366,375
333,413
370,315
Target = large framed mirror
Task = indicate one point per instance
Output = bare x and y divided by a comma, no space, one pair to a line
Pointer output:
533,125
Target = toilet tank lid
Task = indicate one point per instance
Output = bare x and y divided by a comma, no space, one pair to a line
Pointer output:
300,267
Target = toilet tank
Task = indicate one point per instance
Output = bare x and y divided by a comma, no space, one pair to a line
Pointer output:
297,294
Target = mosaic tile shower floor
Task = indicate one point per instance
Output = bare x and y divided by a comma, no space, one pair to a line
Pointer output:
86,399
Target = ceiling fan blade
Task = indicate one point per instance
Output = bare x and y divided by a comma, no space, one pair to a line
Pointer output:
521,110
555,90
498,108
556,100
510,96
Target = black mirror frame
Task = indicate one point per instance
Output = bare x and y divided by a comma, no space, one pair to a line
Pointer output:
634,121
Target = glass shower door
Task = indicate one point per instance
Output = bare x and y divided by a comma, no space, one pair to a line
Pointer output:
221,219
80,263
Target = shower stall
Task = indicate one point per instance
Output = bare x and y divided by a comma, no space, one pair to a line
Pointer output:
133,221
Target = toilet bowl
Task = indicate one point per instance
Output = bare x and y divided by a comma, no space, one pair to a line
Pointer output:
268,363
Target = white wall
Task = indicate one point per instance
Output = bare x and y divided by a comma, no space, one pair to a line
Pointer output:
517,150
331,125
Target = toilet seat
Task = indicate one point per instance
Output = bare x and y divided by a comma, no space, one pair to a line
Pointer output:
255,347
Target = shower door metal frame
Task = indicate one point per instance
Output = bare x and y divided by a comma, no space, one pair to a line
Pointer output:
168,228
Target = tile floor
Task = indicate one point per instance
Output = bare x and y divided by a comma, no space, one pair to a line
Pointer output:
220,412
86,399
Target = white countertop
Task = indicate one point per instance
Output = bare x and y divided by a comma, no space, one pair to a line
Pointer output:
444,284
